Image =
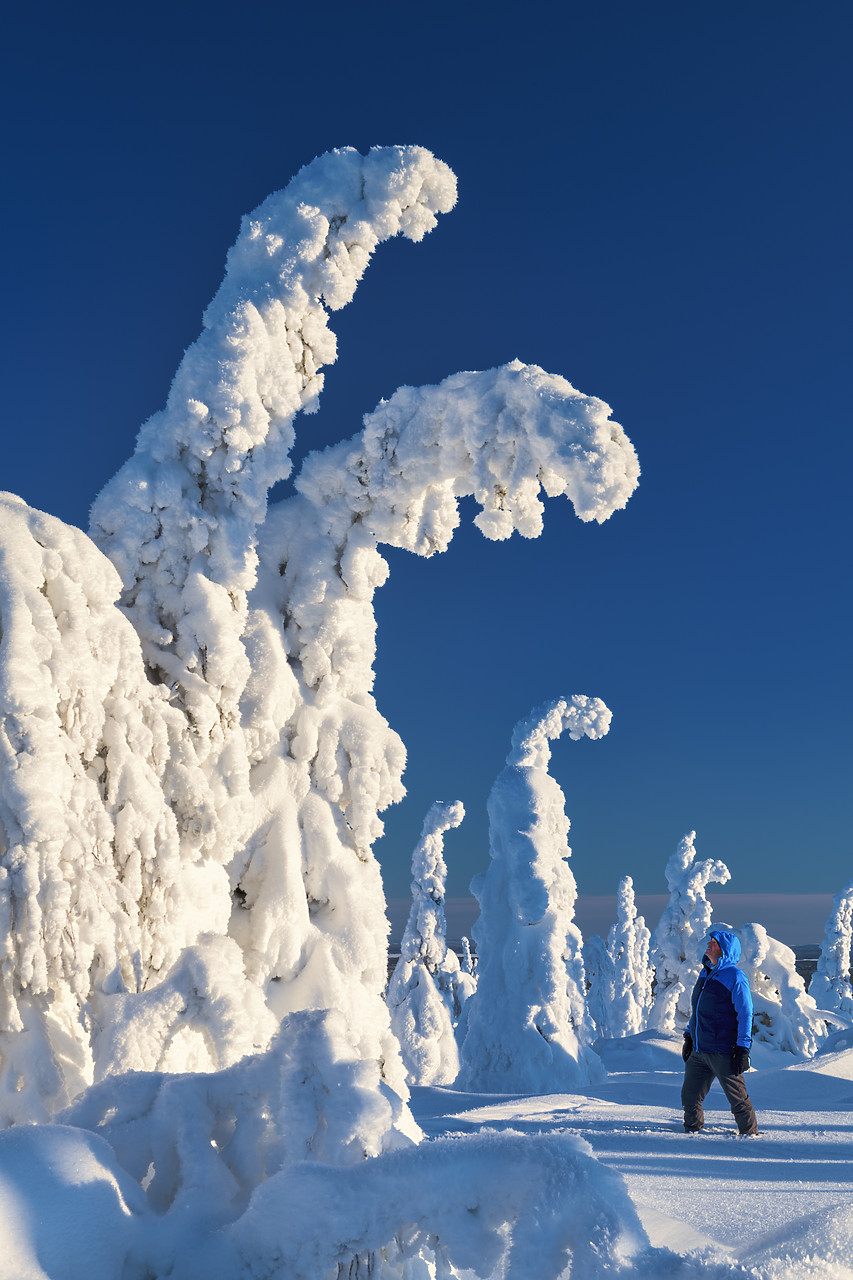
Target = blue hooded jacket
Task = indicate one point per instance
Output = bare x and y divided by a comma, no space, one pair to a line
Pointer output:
722,1002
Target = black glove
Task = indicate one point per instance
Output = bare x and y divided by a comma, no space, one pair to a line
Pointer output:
687,1047
740,1060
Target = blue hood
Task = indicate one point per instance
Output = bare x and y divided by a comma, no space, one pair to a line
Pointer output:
729,945
717,1020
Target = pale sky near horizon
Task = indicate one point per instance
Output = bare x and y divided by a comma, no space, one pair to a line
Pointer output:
654,201
798,919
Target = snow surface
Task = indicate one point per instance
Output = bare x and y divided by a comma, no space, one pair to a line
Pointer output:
776,1206
602,1180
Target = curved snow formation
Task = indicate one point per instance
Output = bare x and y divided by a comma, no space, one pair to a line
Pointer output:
179,519
528,1026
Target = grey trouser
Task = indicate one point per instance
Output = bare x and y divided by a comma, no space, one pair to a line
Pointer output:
699,1075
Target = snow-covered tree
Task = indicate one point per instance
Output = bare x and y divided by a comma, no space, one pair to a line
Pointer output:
220,763
678,942
619,975
95,897
427,989
830,987
601,984
628,947
528,1028
785,1015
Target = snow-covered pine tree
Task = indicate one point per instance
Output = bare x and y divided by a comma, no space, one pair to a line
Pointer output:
830,987
601,984
528,1028
628,948
426,990
678,941
785,1014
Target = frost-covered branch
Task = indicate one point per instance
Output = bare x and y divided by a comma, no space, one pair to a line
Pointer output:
184,508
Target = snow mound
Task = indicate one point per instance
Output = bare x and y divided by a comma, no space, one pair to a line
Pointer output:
817,1247
838,1040
803,1082
839,1063
69,1211
648,1051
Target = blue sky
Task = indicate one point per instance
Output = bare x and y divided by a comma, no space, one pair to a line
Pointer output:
654,201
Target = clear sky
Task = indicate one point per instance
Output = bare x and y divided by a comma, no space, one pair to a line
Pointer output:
654,201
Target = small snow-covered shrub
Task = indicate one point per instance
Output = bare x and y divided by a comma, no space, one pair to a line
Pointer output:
784,1013
208,1139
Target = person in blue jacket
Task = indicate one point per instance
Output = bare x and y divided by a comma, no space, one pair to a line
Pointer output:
719,1035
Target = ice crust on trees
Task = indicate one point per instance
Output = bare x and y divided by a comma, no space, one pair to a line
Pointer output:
427,989
528,1028
830,987
678,942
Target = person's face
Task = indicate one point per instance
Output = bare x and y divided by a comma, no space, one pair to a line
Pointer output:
713,950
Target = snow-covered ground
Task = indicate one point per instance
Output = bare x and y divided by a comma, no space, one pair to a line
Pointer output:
603,1176
780,1204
